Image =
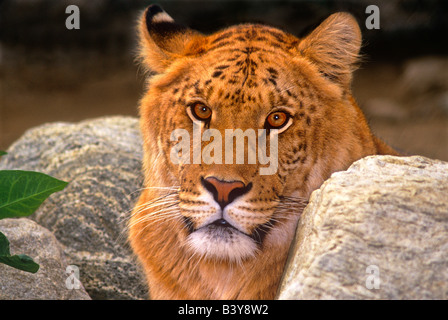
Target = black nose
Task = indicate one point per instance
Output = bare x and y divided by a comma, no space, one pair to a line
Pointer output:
221,223
224,192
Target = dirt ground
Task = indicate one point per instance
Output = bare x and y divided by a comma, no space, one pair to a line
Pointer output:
36,93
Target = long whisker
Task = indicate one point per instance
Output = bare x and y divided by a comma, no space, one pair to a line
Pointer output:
156,200
155,214
150,205
161,208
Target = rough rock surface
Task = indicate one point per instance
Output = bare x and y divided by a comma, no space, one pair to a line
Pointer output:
27,237
383,224
101,160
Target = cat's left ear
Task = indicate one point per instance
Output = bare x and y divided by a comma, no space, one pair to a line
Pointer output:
162,40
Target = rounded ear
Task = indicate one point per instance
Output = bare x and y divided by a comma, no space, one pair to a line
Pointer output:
334,47
162,40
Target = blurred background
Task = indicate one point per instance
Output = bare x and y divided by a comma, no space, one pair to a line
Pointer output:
49,73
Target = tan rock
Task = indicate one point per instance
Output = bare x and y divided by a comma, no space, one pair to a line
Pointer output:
376,231
50,281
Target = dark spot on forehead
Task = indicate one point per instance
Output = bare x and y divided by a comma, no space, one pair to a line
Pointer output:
308,120
222,67
272,100
223,36
273,72
216,74
220,45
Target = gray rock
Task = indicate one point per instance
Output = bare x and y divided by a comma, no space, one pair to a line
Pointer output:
425,74
383,225
27,237
385,109
101,160
423,86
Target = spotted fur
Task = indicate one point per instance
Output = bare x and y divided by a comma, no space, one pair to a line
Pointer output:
242,73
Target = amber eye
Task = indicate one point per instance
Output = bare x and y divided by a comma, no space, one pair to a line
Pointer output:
201,112
277,120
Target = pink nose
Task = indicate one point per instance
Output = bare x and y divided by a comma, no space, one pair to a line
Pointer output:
225,192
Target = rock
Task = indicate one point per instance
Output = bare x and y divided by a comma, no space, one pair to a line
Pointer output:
101,160
425,74
27,237
382,224
385,109
423,86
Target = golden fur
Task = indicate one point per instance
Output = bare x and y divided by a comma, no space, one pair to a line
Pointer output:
241,73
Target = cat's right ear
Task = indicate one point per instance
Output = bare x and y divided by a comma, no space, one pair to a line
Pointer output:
162,40
334,47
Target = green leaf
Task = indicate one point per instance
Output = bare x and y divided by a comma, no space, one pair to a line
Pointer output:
19,261
2,153
4,245
22,192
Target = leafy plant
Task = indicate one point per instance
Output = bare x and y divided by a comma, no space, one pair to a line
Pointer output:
18,261
21,193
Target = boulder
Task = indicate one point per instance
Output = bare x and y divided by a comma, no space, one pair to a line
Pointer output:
50,281
376,231
101,160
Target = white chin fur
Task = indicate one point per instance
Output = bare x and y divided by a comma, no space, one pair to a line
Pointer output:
221,244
